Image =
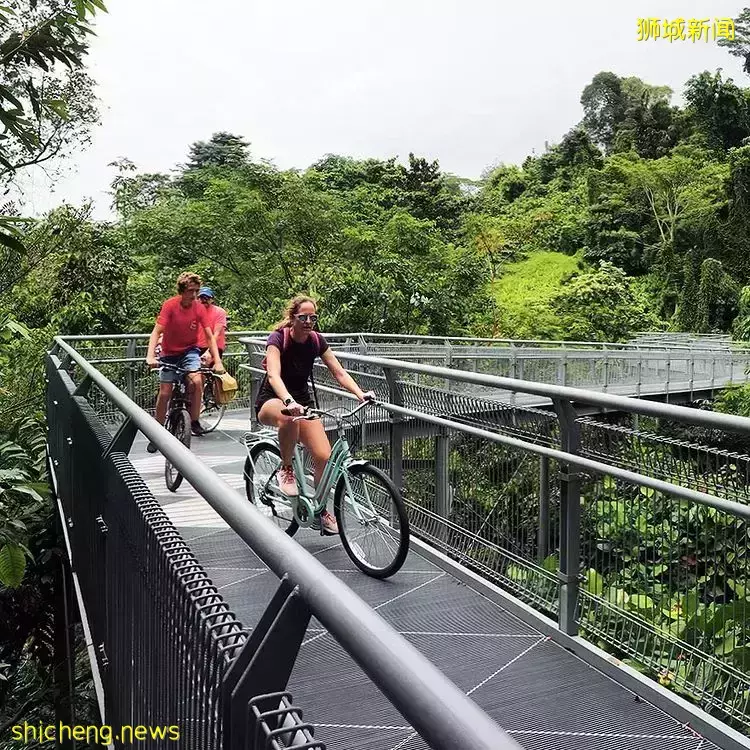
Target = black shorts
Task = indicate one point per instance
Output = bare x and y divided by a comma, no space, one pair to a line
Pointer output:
266,393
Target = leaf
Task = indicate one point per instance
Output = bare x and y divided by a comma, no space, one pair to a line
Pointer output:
641,602
727,646
550,563
594,582
58,106
28,491
12,565
12,242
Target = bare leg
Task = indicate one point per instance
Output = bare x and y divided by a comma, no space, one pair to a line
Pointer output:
195,381
271,416
162,401
314,438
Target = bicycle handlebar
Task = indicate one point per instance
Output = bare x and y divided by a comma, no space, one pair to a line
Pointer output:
313,413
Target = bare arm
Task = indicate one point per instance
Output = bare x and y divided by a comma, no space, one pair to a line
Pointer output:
218,365
343,378
273,368
151,354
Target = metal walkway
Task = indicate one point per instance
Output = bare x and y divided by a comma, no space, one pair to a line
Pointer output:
540,693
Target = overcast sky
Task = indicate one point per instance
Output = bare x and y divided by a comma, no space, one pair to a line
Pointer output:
467,82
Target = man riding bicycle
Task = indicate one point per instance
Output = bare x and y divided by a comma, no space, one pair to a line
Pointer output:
179,321
217,321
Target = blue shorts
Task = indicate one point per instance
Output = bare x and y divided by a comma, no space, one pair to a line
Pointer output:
189,360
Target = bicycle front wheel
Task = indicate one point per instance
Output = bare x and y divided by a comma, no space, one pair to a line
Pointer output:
211,412
178,423
372,520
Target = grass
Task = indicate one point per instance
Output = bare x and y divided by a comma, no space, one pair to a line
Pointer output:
524,293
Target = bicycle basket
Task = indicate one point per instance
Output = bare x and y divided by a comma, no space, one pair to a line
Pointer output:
225,388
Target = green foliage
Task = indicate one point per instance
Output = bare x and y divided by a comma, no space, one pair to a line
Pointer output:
719,109
740,45
46,99
525,292
717,298
734,400
602,305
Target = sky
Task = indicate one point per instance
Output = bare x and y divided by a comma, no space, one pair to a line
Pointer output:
470,83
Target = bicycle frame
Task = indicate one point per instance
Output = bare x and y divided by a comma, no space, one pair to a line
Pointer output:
340,458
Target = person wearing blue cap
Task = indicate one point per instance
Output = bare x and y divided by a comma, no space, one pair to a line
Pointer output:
217,320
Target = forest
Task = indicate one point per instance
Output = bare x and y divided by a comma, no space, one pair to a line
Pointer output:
637,219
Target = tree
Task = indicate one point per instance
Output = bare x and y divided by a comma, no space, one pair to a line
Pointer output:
222,150
687,310
46,99
720,110
604,104
740,45
623,114
717,298
601,304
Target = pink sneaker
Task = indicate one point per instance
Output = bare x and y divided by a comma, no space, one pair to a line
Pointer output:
328,521
287,481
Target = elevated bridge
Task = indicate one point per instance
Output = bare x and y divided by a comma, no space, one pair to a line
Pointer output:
576,578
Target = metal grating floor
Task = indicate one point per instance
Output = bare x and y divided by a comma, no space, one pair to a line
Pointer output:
540,693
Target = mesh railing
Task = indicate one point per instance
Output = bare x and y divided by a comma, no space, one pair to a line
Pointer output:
122,360
169,650
166,667
660,578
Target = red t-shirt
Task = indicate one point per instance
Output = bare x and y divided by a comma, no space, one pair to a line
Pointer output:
214,315
181,325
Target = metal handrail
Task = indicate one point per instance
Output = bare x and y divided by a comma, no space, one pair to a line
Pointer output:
596,467
697,417
609,346
443,715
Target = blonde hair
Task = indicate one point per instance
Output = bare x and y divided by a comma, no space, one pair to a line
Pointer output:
185,279
292,309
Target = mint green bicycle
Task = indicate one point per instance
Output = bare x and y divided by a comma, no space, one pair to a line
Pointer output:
369,509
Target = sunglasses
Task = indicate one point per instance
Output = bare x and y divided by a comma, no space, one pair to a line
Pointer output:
304,317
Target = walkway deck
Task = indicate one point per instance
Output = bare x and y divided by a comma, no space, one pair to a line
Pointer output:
540,693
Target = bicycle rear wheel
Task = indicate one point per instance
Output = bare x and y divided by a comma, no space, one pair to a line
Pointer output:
372,520
266,459
178,423
211,412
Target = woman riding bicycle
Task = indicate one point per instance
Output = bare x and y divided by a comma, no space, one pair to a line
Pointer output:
290,357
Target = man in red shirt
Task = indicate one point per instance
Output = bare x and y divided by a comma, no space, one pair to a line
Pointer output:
179,321
217,321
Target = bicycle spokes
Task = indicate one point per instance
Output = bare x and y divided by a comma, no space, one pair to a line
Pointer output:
370,521
266,487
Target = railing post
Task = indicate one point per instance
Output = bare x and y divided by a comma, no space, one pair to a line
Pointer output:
448,362
264,665
130,370
692,372
543,534
570,519
640,374
255,380
442,478
606,372
396,430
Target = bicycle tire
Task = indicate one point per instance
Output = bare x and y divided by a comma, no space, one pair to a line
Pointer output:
400,509
178,423
207,422
255,452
